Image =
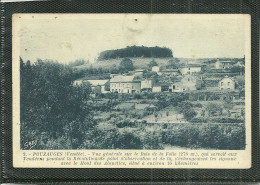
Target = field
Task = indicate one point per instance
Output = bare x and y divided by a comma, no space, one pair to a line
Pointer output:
138,62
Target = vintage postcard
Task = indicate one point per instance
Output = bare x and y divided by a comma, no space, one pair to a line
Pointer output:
132,91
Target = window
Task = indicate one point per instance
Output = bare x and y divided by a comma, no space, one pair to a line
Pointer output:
173,86
188,79
222,83
119,90
228,83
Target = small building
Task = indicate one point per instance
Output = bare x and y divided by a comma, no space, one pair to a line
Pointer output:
156,69
176,87
101,85
189,83
223,64
77,82
125,84
146,84
157,89
226,84
191,68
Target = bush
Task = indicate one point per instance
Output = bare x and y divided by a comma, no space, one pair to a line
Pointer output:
215,136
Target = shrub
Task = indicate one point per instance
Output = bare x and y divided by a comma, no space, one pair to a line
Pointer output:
216,136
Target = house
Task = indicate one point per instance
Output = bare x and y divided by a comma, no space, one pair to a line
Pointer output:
226,84
223,64
99,85
171,72
176,87
156,69
157,88
146,84
189,83
125,84
191,68
77,82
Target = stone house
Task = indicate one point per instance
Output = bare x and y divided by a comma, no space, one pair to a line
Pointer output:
125,84
226,84
191,68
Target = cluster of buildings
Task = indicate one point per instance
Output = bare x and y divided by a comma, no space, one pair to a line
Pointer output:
187,78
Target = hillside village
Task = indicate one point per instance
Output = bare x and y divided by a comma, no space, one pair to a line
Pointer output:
216,77
211,91
160,103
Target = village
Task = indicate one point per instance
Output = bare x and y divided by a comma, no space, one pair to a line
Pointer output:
206,83
192,77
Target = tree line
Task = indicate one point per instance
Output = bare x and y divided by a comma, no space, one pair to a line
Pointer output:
136,51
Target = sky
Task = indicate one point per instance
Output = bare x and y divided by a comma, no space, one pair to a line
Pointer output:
69,37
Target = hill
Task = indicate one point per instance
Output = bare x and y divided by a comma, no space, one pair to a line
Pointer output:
136,51
139,62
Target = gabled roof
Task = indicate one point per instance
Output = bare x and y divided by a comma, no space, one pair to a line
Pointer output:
122,78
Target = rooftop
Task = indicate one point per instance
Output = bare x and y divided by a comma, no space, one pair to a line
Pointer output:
122,78
97,82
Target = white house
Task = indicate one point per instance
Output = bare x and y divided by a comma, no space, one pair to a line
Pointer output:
146,84
124,84
157,89
176,87
223,64
226,84
156,69
77,82
189,69
187,83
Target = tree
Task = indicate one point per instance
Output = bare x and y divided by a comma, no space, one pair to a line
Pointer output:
50,104
152,63
214,108
189,113
126,65
173,63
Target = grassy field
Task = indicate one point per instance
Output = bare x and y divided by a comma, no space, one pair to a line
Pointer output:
138,62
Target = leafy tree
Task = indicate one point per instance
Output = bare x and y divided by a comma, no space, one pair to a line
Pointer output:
173,63
136,51
51,104
214,108
152,63
189,113
126,65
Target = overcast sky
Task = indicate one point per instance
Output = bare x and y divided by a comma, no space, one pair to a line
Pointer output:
66,38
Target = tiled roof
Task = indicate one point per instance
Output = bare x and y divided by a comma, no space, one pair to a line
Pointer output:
122,78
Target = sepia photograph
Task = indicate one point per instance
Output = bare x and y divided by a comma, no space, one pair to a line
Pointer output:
132,82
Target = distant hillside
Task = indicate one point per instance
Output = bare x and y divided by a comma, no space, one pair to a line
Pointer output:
139,62
136,51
